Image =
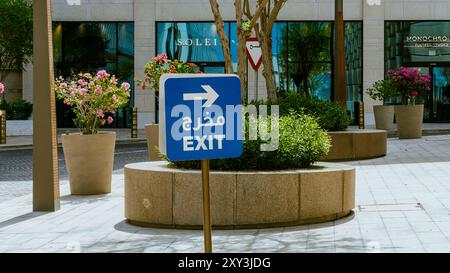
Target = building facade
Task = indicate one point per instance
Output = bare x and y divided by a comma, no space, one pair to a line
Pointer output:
122,35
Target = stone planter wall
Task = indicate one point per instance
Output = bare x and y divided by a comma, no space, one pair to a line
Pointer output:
156,195
357,145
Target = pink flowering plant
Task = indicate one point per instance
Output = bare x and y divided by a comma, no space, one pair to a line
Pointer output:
410,83
93,98
161,65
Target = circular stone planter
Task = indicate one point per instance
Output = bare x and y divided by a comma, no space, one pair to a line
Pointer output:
357,145
156,195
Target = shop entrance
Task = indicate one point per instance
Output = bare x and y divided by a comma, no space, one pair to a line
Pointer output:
437,102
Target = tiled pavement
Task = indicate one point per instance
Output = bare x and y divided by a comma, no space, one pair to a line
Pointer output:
415,171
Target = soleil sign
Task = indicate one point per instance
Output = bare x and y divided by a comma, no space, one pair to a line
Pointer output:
197,42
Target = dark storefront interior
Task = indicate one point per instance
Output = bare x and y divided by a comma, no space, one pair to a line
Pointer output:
89,47
425,45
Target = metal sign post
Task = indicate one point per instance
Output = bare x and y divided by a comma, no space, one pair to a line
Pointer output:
254,54
201,119
207,234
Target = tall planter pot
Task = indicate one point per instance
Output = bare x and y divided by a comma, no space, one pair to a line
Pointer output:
89,162
384,117
409,121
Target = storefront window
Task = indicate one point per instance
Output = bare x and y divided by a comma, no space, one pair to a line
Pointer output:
304,59
89,47
302,54
413,43
424,45
195,42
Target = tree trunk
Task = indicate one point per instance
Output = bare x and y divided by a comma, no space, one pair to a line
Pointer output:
242,39
266,48
340,94
222,36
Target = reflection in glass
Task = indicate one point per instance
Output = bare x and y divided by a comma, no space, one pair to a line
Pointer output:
307,48
89,47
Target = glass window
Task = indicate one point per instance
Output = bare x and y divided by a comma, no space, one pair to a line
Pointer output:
353,65
412,43
89,47
307,47
198,42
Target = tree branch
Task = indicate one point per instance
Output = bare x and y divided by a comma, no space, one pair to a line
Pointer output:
222,35
274,13
258,12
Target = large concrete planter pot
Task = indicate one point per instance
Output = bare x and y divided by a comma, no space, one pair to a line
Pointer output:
89,162
409,121
152,135
384,117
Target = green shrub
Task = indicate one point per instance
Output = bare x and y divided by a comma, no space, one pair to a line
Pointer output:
301,143
18,109
330,115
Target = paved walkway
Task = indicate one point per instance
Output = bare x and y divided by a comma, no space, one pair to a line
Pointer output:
403,205
124,135
26,142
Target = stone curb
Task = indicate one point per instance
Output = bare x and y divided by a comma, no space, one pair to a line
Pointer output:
28,146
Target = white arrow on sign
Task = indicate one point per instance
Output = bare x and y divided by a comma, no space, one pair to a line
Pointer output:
210,96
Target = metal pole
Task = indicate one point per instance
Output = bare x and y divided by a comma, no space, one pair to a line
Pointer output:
340,94
206,207
2,127
134,130
256,84
361,115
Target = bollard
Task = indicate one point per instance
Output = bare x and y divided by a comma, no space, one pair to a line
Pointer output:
134,130
2,127
361,115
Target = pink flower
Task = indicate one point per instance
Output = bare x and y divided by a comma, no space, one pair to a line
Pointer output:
102,122
114,98
125,86
91,84
2,88
100,113
110,120
113,80
83,91
87,75
102,74
98,89
414,94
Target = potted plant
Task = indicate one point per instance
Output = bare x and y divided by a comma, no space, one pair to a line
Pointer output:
410,84
383,90
89,154
153,70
